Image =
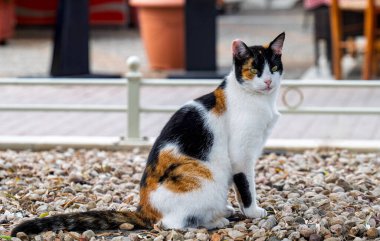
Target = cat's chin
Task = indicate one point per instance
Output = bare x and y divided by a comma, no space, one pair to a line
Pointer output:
264,91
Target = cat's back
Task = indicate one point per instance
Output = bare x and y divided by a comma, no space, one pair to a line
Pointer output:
192,129
188,131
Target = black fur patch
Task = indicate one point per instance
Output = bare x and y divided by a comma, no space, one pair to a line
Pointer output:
208,101
242,186
188,130
167,172
193,222
223,84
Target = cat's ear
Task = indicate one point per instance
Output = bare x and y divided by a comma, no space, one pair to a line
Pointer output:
277,43
240,49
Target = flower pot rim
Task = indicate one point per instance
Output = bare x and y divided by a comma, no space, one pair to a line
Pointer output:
157,3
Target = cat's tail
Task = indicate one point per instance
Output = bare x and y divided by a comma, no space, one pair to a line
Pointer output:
82,221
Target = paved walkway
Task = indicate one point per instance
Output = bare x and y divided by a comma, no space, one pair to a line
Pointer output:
30,52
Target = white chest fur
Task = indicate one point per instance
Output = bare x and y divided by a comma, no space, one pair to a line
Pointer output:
250,119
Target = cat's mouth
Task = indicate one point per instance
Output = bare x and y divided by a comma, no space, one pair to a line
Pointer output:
266,90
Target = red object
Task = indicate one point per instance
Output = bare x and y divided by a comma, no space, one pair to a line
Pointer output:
310,4
7,19
43,12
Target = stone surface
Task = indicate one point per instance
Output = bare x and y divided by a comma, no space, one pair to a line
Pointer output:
88,234
126,226
110,181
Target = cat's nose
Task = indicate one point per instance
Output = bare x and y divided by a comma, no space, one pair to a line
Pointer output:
268,82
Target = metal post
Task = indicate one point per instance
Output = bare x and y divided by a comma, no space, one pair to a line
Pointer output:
134,77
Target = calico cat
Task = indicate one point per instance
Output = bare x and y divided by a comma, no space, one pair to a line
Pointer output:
208,145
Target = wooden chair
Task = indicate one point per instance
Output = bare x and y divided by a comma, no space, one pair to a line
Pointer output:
370,8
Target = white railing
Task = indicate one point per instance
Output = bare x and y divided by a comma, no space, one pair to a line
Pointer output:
134,81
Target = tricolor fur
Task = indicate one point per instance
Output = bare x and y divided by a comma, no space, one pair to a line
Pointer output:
208,145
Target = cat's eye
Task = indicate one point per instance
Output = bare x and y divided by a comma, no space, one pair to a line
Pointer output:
254,71
274,68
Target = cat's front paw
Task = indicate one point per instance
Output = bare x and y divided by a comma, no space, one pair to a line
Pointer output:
255,212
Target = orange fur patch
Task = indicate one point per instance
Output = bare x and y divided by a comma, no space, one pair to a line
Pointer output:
185,177
147,211
220,105
187,174
246,70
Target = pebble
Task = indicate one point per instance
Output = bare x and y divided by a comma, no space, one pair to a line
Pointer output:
305,231
49,236
376,191
273,238
67,237
40,191
202,236
344,184
132,237
22,236
337,229
269,223
315,237
107,198
299,220
261,239
358,239
38,238
353,231
259,233
88,234
189,235
338,197
91,205
126,226
159,238
69,190
294,195
331,178
42,209
216,237
75,177
122,238
333,239
337,189
240,226
35,197
175,236
337,220
372,233
235,234
294,235
372,222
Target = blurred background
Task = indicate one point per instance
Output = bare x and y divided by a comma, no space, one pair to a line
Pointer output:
178,39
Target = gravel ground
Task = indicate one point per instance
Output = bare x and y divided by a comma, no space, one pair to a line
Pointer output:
331,195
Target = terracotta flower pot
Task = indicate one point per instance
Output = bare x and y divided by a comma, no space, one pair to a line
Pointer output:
162,30
7,20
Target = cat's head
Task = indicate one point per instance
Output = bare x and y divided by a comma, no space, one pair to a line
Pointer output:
258,68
